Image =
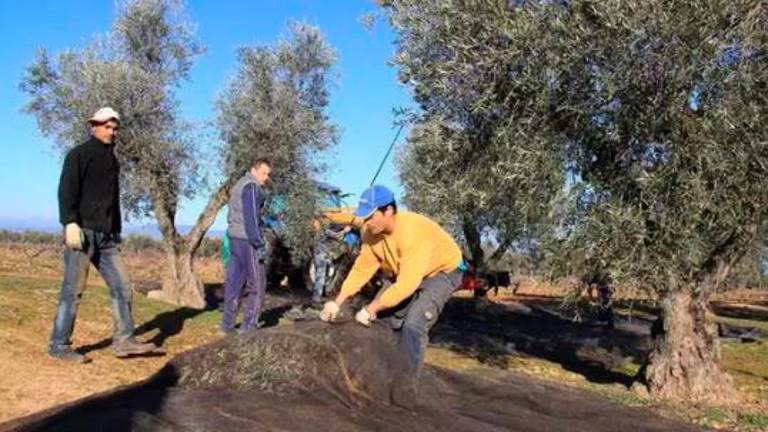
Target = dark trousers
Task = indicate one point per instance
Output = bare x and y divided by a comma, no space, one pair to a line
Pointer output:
243,270
415,316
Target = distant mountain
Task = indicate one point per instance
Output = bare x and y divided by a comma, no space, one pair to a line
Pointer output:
52,225
152,230
33,224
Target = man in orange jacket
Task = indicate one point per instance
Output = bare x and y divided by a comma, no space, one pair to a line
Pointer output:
418,254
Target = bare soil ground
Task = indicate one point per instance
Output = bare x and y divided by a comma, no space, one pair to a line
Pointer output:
30,380
528,333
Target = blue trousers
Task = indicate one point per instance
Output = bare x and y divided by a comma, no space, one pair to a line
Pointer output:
244,270
99,249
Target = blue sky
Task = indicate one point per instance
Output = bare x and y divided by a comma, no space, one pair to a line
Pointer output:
361,105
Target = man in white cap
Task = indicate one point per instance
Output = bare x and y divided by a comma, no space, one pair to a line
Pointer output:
89,209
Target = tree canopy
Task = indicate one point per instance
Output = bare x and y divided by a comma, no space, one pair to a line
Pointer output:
633,132
274,107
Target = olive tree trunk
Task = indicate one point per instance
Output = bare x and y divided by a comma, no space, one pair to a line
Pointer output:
686,356
686,359
181,286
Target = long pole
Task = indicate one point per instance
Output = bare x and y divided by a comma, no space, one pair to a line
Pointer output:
391,146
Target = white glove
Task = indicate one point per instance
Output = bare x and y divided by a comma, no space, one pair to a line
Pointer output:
364,317
330,311
73,236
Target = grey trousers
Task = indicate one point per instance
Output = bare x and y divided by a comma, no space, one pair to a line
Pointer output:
415,316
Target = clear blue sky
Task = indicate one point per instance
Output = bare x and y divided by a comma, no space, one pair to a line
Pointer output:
361,102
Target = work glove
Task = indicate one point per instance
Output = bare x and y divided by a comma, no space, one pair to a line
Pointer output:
364,317
73,236
330,311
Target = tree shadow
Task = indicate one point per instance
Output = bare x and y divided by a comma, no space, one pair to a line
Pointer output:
751,374
496,332
168,323
271,317
739,311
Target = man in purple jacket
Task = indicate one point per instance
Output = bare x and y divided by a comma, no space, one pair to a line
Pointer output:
247,248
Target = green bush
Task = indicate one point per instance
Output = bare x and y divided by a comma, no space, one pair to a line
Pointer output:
209,247
140,242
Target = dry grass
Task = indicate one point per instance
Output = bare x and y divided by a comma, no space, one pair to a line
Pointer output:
45,262
32,381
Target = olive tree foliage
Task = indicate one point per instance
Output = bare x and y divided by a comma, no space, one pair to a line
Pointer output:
752,271
663,107
135,69
666,127
468,161
276,107
479,191
657,110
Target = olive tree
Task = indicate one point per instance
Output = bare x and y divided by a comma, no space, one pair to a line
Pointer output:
137,68
275,106
656,109
467,162
477,183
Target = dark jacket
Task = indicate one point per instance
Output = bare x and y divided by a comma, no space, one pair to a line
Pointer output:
89,191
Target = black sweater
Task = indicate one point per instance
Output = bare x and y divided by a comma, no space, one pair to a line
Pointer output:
89,192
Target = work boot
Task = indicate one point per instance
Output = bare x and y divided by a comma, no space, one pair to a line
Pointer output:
131,347
69,355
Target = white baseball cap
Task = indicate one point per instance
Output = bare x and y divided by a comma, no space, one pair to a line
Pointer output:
103,115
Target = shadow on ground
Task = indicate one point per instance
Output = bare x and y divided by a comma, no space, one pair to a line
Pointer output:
741,311
168,323
171,323
492,333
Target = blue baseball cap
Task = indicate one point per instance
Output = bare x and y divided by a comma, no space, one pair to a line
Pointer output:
372,198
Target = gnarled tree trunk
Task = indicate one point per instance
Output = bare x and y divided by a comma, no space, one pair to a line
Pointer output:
181,286
685,362
474,243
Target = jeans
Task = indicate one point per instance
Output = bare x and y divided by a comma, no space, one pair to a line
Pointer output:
99,249
245,265
414,317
